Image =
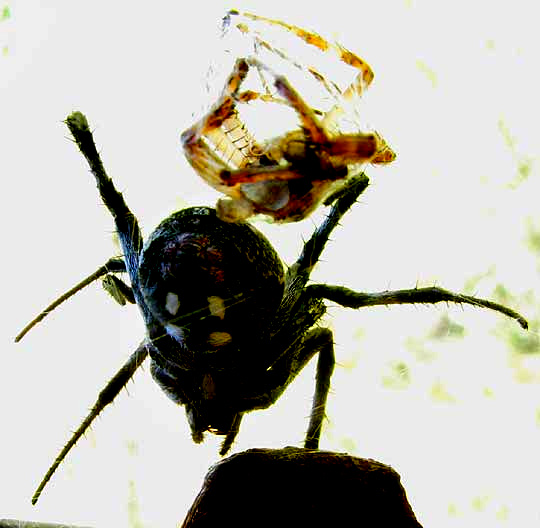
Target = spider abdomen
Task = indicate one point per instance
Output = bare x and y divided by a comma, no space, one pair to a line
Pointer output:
209,283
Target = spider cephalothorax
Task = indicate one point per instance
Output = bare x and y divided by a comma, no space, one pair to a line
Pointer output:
227,328
284,177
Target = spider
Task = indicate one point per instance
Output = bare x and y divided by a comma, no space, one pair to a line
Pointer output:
228,329
284,177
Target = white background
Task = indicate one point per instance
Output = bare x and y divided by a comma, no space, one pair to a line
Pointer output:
463,433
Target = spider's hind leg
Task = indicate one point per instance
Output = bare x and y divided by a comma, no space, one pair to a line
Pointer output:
283,372
321,339
231,435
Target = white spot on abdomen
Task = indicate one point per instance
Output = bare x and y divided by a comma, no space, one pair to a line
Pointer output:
216,306
172,303
217,339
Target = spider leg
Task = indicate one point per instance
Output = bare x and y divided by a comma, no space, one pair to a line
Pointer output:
231,435
106,396
283,372
118,290
127,226
113,265
321,340
298,273
431,295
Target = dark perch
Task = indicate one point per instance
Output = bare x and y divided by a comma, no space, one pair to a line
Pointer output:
300,487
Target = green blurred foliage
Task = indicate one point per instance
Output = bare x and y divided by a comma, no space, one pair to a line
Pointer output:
134,518
398,376
480,502
430,74
524,163
421,352
445,328
440,393
5,14
471,284
532,237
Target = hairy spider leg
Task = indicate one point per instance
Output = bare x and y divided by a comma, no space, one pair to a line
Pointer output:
428,295
322,341
317,341
230,437
131,241
106,396
127,227
118,290
113,265
298,273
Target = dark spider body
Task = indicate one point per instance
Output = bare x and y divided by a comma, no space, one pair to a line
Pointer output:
227,329
208,284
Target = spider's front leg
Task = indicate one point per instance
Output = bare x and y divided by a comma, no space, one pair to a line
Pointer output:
126,223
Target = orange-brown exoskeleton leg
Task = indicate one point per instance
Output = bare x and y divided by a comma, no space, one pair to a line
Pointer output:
362,80
220,139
